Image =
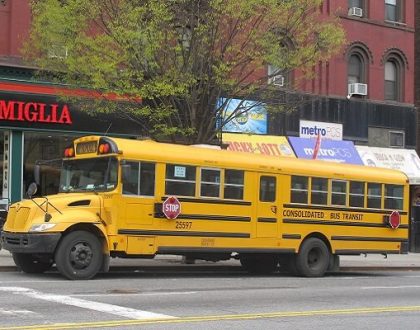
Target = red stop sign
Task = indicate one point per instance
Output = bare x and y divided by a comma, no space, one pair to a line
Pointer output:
395,219
171,207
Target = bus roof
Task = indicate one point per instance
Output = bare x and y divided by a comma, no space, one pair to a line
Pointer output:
209,157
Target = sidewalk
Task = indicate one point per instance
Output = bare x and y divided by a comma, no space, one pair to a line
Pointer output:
409,261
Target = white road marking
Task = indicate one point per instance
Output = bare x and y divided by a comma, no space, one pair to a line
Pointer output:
391,287
7,312
96,306
132,294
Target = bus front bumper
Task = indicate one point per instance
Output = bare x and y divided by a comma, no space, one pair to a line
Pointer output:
29,242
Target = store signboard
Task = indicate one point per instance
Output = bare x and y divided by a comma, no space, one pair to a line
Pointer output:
405,160
258,144
330,150
311,129
251,116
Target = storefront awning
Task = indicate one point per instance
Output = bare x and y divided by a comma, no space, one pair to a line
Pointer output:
258,144
405,160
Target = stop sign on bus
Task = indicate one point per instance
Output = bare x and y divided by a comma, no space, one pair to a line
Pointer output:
171,207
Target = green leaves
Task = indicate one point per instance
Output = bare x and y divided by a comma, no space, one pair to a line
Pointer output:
179,56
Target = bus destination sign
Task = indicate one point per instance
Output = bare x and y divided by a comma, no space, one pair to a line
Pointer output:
86,147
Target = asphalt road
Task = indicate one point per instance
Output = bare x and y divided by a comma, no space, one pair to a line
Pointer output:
211,298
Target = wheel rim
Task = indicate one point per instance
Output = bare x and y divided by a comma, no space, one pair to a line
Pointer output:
314,257
81,255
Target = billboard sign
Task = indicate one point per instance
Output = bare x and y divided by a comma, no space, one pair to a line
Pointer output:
327,131
258,144
331,150
251,116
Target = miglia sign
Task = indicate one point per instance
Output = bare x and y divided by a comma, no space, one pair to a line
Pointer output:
52,113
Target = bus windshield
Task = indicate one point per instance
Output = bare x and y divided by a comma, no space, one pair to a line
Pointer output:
96,174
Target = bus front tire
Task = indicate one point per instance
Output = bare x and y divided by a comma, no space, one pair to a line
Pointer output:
313,258
32,264
79,255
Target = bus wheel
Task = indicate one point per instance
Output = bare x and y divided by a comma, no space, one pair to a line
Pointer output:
79,255
259,264
313,258
32,264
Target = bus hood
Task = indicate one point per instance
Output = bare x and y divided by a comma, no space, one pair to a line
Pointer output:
60,208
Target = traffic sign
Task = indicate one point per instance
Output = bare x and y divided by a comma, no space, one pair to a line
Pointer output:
171,207
395,219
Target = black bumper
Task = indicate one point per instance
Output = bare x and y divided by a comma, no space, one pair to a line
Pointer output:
30,242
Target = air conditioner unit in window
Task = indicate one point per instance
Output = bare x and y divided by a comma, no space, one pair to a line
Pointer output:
357,89
277,80
355,11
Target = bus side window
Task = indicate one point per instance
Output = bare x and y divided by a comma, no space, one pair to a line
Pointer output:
147,179
299,191
394,196
338,192
180,180
357,194
131,184
374,195
234,184
210,182
267,189
319,191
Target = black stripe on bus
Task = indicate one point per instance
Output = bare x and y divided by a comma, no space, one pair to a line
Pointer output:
368,239
181,233
178,249
291,236
339,223
270,220
210,201
357,252
213,217
338,208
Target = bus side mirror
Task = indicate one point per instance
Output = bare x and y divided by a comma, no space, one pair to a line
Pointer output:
37,173
126,172
33,187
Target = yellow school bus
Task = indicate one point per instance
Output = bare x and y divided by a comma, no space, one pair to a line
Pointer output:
138,198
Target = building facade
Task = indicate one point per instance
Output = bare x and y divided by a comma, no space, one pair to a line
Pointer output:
368,86
35,123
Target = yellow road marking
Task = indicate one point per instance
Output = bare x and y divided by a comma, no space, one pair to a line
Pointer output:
326,312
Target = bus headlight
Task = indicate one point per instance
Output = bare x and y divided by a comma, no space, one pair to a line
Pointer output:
42,227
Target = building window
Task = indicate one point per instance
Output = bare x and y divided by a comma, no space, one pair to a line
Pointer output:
393,10
391,81
357,8
355,69
396,139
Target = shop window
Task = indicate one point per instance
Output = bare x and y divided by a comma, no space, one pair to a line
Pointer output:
374,195
210,182
234,184
319,191
357,194
338,192
45,149
299,189
142,179
267,189
394,197
180,180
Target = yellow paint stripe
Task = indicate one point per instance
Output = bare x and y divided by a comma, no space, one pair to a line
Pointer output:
326,312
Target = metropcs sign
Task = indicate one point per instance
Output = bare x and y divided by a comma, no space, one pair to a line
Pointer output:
328,131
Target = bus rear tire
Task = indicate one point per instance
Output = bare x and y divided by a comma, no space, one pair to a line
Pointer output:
313,258
79,255
259,264
32,264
